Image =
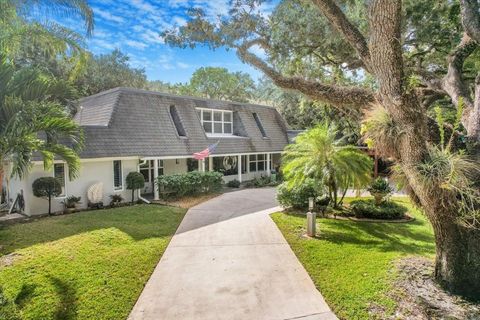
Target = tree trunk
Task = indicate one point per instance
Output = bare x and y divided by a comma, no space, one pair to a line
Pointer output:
458,248
1,182
49,205
457,263
133,195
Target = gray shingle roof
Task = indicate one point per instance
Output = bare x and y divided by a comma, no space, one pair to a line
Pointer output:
133,122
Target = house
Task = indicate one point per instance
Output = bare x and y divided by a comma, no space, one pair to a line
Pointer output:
156,134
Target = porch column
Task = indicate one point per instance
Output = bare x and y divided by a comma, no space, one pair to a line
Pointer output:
210,163
248,164
203,165
239,168
156,194
269,164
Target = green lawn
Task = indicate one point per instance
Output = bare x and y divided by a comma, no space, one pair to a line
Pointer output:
351,262
89,265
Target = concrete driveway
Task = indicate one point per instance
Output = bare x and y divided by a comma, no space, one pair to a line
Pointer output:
228,260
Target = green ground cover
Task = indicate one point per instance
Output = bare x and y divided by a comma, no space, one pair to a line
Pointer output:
352,263
88,265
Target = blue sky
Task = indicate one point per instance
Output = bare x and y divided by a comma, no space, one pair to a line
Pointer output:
134,26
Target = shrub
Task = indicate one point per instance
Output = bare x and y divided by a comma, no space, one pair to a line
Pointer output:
135,181
369,209
115,199
297,197
188,184
233,183
379,189
260,182
47,187
71,202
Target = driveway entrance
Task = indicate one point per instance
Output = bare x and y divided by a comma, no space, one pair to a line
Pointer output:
228,260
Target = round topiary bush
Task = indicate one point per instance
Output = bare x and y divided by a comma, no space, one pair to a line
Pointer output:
135,181
47,187
369,209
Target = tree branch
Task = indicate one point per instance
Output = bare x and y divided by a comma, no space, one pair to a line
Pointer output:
339,21
454,84
470,14
349,98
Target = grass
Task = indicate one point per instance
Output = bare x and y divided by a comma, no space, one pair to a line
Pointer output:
351,263
88,265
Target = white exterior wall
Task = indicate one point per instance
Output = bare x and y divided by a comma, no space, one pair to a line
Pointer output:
99,170
90,173
170,166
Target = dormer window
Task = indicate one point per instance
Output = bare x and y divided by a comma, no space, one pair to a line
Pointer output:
216,122
259,124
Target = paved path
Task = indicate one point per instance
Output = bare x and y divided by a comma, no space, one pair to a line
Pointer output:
228,260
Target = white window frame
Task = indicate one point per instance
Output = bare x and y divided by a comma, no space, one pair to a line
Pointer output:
161,165
213,121
256,161
64,194
149,167
121,187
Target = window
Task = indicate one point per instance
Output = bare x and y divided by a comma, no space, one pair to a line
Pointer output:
177,122
216,121
258,162
147,169
117,175
59,174
160,167
259,125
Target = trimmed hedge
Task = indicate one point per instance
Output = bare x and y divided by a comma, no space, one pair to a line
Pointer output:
189,184
386,210
233,183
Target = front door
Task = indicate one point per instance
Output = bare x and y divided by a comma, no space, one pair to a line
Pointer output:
147,171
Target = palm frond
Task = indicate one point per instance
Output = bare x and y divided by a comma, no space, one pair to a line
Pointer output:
65,8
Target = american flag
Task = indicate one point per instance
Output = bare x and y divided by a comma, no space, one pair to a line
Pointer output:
205,153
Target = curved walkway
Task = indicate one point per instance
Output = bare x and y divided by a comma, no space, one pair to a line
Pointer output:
228,260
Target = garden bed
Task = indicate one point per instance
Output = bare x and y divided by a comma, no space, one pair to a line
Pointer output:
419,297
406,218
189,201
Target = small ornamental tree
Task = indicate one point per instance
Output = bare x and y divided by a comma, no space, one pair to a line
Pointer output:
135,181
47,187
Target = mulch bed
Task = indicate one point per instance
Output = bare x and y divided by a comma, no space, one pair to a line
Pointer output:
406,218
188,202
419,297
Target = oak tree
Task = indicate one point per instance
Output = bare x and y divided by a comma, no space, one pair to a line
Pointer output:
398,56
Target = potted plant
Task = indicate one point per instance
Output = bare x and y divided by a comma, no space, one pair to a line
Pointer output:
379,189
70,203
115,200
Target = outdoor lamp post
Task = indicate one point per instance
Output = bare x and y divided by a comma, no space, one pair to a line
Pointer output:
311,218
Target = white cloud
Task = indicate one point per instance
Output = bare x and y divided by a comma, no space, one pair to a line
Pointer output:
104,44
179,21
152,36
108,16
183,65
144,6
258,51
136,44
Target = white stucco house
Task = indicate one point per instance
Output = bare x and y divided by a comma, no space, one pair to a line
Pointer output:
156,134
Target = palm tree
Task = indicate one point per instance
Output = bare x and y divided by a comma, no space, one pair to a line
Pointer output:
320,155
33,121
21,34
